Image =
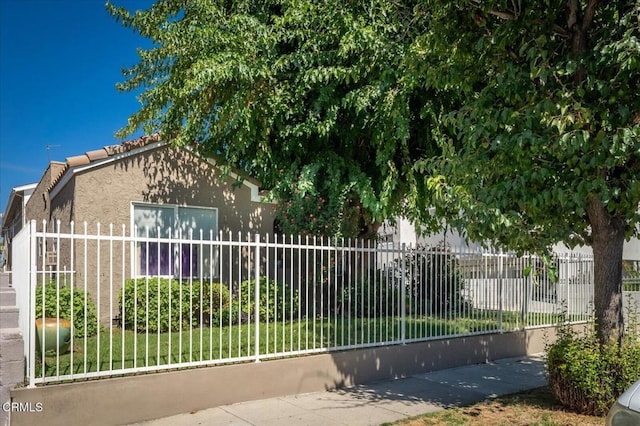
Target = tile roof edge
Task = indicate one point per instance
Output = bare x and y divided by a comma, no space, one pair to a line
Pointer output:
102,153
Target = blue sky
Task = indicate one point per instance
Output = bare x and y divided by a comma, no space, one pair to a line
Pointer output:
59,63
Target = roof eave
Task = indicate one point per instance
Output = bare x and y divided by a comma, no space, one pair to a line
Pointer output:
70,171
12,197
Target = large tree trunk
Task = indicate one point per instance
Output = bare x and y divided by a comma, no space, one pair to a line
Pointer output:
607,234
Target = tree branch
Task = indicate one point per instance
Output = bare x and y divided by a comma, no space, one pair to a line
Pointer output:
503,15
508,16
589,12
572,13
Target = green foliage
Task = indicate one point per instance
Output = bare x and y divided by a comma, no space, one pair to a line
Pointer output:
434,279
500,111
541,131
516,122
277,300
162,304
588,376
365,300
434,286
316,201
63,302
287,91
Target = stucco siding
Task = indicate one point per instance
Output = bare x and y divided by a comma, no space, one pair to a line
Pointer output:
166,176
62,205
38,207
104,195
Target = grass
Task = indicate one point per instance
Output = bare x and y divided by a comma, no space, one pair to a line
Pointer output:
115,349
537,407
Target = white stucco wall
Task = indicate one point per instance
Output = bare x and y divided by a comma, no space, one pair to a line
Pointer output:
404,232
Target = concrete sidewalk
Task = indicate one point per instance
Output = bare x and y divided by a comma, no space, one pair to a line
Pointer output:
379,402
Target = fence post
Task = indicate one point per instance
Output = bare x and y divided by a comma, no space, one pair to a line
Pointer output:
403,296
569,261
527,293
256,263
500,293
31,322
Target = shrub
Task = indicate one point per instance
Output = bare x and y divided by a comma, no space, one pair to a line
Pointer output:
277,300
65,308
588,377
162,304
364,299
433,280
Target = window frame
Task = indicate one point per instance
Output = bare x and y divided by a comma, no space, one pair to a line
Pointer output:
176,256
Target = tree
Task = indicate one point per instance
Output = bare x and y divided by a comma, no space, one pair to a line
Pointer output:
519,122
303,95
545,143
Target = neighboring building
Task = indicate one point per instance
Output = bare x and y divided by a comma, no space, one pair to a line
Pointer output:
403,231
14,217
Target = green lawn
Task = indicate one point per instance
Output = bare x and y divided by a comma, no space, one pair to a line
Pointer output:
120,350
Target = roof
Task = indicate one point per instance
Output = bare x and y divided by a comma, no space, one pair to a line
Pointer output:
97,157
92,157
15,192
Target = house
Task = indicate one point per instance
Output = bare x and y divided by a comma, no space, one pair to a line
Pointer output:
403,231
14,217
152,188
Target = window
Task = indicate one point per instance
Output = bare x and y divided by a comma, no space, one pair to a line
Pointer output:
175,240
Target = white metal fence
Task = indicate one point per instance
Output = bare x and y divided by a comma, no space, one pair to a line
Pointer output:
153,303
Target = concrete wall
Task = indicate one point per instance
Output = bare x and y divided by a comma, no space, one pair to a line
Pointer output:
138,398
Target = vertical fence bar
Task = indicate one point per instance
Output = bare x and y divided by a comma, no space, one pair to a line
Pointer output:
256,300
291,272
571,262
301,288
211,274
44,301
98,296
111,297
275,277
146,291
369,263
500,295
84,276
280,313
403,296
220,262
201,308
343,308
336,307
33,282
122,313
190,280
239,294
322,286
230,280
359,293
57,281
171,266
158,245
72,288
